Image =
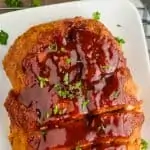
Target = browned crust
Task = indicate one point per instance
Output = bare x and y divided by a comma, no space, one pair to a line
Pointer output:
19,114
24,118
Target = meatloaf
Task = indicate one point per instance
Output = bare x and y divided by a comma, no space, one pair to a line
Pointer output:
72,89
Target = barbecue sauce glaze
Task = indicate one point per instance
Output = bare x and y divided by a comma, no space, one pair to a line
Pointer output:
74,76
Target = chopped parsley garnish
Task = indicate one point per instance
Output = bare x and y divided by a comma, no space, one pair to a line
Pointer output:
57,87
115,94
53,47
68,60
120,40
42,81
13,3
48,114
3,37
66,78
105,67
36,2
61,112
85,103
96,15
56,110
63,93
78,85
70,91
78,147
144,145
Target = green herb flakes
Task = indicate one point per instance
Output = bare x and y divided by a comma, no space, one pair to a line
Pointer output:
3,37
67,90
13,3
85,103
106,67
120,40
48,114
96,15
68,60
71,96
115,94
144,145
63,93
66,79
57,87
78,147
61,112
53,47
42,81
78,85
36,3
56,110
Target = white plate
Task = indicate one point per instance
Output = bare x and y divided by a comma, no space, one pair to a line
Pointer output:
113,12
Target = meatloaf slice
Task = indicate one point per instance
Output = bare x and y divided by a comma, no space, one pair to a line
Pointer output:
71,87
28,117
103,130
23,141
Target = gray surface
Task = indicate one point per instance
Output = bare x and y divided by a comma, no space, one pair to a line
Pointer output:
145,19
147,4
28,3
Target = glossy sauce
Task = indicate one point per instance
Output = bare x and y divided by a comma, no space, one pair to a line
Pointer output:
84,57
67,136
91,131
117,147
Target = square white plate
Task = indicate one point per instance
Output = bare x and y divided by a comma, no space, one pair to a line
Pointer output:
113,12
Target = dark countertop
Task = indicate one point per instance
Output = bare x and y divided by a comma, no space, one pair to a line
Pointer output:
27,3
147,4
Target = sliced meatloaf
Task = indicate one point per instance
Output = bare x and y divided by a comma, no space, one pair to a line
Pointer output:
72,89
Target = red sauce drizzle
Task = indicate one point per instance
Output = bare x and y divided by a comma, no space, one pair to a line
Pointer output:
78,57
